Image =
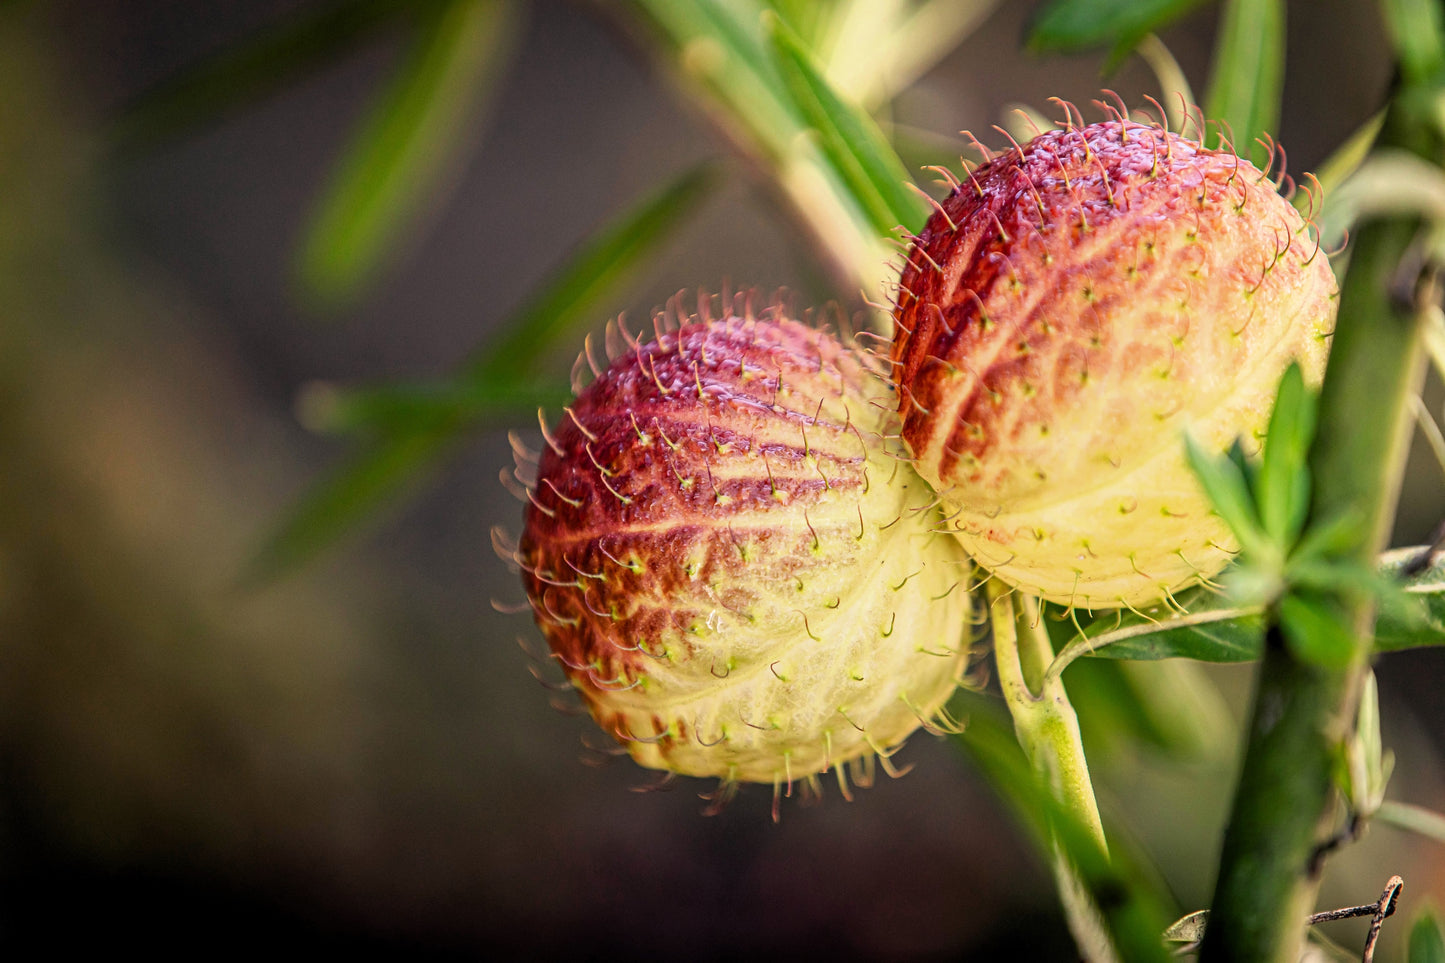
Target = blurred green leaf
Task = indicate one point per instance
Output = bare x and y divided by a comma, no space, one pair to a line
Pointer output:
417,436
1217,630
1388,183
1363,771
339,503
882,48
1173,84
1415,32
851,141
1434,338
724,60
815,21
408,148
1283,482
1427,939
1226,482
1315,630
1170,706
257,67
1247,77
1133,909
1065,25
1427,589
1415,819
568,301
410,408
720,45
1345,160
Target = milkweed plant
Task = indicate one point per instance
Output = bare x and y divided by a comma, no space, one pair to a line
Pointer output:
1107,382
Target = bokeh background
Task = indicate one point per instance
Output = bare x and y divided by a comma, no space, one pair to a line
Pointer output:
355,756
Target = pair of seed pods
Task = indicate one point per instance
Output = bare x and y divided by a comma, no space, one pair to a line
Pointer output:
750,544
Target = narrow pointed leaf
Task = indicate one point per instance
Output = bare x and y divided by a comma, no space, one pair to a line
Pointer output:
408,149
851,141
568,301
1315,631
1167,705
1416,819
721,47
1282,489
1247,77
1065,25
385,468
1427,939
334,507
1215,630
396,409
1427,590
1226,484
260,65
1415,32
1133,908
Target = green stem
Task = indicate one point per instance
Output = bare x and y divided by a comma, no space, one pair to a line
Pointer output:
1284,805
1048,730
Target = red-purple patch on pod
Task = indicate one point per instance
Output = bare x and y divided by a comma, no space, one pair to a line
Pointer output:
738,570
1070,310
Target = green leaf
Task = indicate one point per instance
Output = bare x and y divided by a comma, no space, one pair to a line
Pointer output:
340,502
851,141
261,65
407,149
1387,183
1248,73
1171,706
1415,32
1215,630
1365,767
1426,624
1427,939
721,47
1133,909
1065,25
1314,630
415,441
1328,537
1218,630
410,408
724,60
1283,483
569,299
1415,819
1226,483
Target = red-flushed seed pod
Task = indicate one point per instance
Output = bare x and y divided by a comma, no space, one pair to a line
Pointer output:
1068,312
739,573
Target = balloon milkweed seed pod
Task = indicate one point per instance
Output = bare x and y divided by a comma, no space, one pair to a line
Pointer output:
738,571
1070,309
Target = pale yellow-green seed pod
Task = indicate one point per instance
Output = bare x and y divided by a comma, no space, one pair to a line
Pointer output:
1069,312
735,563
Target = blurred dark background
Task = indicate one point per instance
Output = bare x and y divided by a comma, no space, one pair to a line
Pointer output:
355,757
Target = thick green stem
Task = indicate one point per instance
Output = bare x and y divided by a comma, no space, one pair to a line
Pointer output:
1285,802
1048,730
